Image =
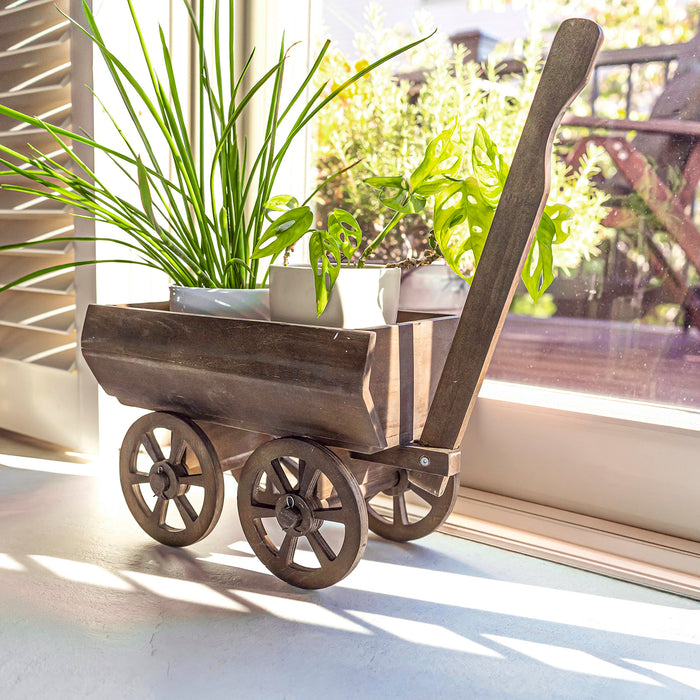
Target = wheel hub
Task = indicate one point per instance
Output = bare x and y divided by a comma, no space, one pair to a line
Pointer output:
294,514
164,480
401,485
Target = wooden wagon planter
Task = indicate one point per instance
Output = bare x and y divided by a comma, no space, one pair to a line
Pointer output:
316,422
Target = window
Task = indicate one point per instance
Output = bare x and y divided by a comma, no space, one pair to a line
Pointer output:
592,421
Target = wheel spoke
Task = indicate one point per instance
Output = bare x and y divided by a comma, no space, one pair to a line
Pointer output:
400,513
262,511
148,440
193,480
308,478
287,548
187,512
322,549
430,498
178,447
333,515
135,478
279,478
159,512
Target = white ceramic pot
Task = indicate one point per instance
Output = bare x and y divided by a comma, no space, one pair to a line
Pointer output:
433,288
234,303
361,298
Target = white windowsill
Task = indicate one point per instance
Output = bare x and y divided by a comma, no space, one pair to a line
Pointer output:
602,406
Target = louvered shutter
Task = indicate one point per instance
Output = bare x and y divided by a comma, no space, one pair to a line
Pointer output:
45,390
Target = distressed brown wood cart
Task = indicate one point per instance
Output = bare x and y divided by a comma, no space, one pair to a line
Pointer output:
318,423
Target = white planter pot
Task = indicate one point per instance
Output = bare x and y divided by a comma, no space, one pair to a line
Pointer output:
234,303
361,298
433,288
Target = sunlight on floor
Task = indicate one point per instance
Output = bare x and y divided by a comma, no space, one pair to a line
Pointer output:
508,598
425,633
570,659
301,611
185,591
82,572
10,564
686,676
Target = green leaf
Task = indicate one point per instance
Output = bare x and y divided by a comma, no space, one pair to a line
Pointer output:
396,194
539,276
382,182
284,232
145,192
443,156
433,185
450,213
281,202
488,166
324,253
480,217
559,214
344,229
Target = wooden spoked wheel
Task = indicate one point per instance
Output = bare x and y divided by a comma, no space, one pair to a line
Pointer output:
177,500
405,521
302,512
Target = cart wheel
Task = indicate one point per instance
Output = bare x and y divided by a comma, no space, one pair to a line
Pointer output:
190,478
402,526
302,512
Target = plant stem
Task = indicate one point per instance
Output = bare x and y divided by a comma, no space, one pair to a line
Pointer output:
375,243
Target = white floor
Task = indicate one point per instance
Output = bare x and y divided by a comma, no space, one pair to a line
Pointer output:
91,607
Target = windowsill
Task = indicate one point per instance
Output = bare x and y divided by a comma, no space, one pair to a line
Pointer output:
602,406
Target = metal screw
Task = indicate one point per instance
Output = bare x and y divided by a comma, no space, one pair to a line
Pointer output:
424,461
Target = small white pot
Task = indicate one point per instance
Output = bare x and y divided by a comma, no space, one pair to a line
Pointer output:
361,298
234,303
433,288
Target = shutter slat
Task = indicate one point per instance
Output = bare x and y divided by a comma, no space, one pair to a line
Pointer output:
48,349
30,19
51,104
26,64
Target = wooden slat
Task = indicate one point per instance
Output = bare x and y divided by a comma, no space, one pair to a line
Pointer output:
37,102
11,268
20,226
267,377
641,54
23,140
30,18
21,65
53,313
565,73
652,126
23,344
408,360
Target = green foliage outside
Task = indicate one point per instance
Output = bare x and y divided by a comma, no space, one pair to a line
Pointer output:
387,121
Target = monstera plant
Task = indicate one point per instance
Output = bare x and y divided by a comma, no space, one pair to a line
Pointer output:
463,208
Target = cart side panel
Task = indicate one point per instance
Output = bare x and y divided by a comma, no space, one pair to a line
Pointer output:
408,361
266,377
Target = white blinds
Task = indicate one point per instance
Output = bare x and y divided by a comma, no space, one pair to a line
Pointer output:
37,321
46,391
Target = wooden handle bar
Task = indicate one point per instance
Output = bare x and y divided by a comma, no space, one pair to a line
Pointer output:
565,73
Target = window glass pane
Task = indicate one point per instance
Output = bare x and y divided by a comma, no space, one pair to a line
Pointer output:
622,315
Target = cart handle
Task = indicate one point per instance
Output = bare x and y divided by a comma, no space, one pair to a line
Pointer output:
515,221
